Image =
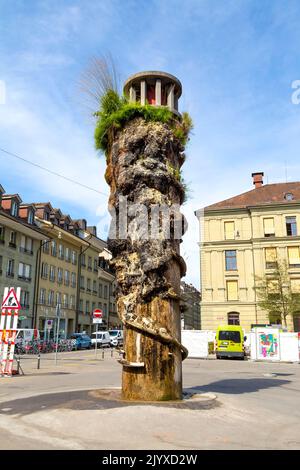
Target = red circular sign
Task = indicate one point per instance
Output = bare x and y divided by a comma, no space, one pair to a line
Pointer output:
97,313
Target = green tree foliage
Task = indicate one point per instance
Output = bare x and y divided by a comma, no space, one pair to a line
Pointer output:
275,294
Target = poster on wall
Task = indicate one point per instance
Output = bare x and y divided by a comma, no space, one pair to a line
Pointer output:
268,344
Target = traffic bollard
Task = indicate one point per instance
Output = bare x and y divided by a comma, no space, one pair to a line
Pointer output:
103,354
38,361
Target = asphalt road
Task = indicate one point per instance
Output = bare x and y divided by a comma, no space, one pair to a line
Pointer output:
58,407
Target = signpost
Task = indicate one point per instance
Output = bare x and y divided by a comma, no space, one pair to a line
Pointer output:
57,329
8,328
97,319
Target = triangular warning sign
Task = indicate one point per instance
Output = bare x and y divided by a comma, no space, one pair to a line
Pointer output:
11,300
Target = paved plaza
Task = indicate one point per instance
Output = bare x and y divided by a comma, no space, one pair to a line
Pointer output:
250,405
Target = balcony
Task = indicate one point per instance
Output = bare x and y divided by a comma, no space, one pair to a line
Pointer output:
12,245
10,274
25,250
2,240
24,278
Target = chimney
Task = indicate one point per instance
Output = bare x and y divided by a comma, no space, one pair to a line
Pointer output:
258,179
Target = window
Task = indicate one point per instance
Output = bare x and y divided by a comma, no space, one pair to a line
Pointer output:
95,287
73,280
294,256
233,318
100,290
14,209
88,285
96,264
81,305
24,299
51,297
72,301
10,268
269,229
229,230
105,309
82,282
30,217
26,245
65,300
87,307
12,239
53,248
232,290
90,263
289,196
59,275
83,260
58,298
24,271
1,261
52,273
271,258
61,251
46,246
2,234
74,257
291,226
68,254
230,260
273,287
43,296
105,292
44,271
295,286
233,336
67,277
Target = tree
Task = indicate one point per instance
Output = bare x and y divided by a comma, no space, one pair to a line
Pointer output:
276,294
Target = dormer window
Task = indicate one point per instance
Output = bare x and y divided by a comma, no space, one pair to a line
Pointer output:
46,215
289,196
30,217
14,209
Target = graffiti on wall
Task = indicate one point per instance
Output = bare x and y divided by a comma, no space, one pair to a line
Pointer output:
268,345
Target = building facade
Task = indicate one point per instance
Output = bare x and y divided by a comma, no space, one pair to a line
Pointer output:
20,240
243,238
190,307
71,276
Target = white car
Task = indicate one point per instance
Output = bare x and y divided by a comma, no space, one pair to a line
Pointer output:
116,337
102,338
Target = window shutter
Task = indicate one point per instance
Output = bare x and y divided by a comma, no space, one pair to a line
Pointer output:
294,256
23,241
232,290
229,230
269,226
271,255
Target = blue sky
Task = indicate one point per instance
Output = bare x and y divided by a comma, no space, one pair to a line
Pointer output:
236,60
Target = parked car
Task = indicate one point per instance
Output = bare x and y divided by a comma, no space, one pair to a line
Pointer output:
116,337
83,341
230,342
102,338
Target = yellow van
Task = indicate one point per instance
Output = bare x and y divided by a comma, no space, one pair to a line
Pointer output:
230,341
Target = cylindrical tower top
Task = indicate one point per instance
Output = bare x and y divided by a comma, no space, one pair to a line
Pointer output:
155,88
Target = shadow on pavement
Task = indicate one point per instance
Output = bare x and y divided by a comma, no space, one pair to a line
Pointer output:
88,400
239,386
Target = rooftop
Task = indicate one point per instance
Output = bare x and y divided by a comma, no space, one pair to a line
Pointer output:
279,193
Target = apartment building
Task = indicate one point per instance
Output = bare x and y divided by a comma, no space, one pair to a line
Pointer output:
189,307
20,241
70,274
241,238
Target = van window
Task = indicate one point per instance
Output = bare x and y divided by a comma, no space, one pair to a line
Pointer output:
230,336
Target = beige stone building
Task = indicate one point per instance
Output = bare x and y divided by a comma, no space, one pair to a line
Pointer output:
71,274
241,238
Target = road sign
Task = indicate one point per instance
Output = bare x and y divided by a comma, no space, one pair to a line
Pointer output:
11,300
49,324
97,315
